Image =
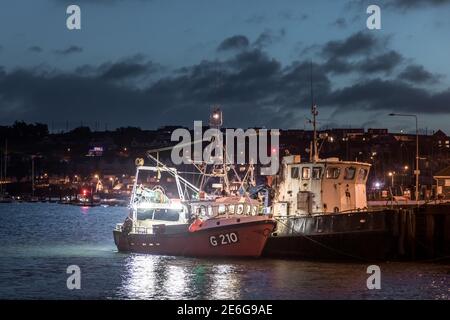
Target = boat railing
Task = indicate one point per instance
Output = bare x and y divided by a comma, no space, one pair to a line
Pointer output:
136,229
224,209
142,230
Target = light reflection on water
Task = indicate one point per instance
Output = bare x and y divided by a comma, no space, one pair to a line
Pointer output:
162,277
225,282
39,241
138,280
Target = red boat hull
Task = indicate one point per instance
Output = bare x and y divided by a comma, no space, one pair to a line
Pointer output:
238,240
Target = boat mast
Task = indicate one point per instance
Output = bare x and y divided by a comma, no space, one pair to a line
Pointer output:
32,175
216,121
314,152
1,172
3,166
314,112
172,171
6,160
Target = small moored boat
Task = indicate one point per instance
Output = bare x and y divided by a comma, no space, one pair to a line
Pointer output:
224,226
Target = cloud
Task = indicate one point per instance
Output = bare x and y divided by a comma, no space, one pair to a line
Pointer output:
248,80
133,67
268,38
340,23
385,62
412,4
254,64
382,63
357,44
253,88
35,49
418,74
39,96
338,66
362,53
68,51
123,70
237,42
394,95
402,5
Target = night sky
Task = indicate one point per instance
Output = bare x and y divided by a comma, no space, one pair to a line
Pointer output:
151,63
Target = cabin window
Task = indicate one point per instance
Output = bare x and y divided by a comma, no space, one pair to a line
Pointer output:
317,173
240,209
247,209
200,210
350,173
333,173
210,211
231,208
159,214
362,174
222,209
306,173
294,172
254,211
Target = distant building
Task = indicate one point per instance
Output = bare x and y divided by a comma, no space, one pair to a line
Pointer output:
350,133
95,152
441,139
377,132
442,178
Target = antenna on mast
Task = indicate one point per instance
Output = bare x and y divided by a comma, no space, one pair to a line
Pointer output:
314,112
311,82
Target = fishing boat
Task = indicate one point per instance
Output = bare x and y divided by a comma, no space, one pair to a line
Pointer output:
206,227
5,199
4,196
322,212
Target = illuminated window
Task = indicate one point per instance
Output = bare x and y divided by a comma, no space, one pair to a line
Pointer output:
306,173
240,209
362,174
350,173
333,173
317,173
294,172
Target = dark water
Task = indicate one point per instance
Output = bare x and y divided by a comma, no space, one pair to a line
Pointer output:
39,242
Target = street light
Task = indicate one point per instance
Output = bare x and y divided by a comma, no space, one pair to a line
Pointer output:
416,172
392,174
